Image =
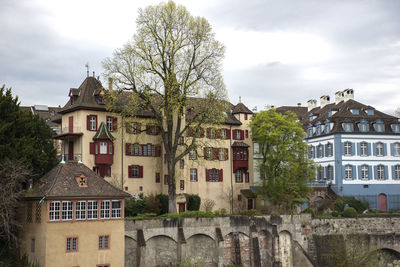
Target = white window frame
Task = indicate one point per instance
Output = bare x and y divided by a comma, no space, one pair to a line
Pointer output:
80,210
193,154
396,148
54,210
109,123
396,172
239,176
103,148
363,149
221,154
379,149
67,211
347,148
380,172
348,172
193,175
93,210
117,211
330,149
105,209
329,172
93,123
237,134
364,172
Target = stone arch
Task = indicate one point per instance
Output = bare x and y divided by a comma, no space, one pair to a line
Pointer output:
201,249
161,250
130,252
385,256
285,249
266,248
235,244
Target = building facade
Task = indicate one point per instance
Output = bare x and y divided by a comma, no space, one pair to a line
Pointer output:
128,152
356,148
73,217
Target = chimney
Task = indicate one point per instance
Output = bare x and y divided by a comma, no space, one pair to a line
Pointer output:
299,104
348,94
339,96
312,103
110,83
324,100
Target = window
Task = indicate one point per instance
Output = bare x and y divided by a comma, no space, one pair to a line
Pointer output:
223,133
208,154
104,242
54,211
318,131
116,209
92,209
238,176
133,127
103,147
379,149
193,154
364,149
327,128
181,163
92,122
363,126
182,185
329,150
181,140
80,210
166,179
109,122
193,175
72,244
347,149
369,111
135,171
33,245
347,127
355,111
246,133
396,174
212,133
237,135
329,172
364,172
380,172
245,116
379,127
105,209
213,175
221,154
246,177
320,151
310,132
239,197
396,149
348,172
396,128
158,177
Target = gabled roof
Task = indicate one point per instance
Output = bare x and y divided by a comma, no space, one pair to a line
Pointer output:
61,182
241,108
103,133
301,112
239,144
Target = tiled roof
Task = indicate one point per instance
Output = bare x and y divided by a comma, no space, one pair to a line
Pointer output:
91,86
49,114
239,144
301,112
241,108
342,113
61,181
103,133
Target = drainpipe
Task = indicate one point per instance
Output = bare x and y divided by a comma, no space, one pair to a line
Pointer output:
231,162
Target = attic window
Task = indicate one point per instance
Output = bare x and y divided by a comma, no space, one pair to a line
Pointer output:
369,111
81,181
355,111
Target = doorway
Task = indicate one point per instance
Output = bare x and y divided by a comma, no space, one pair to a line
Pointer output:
382,202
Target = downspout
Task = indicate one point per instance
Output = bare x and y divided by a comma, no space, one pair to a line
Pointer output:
231,162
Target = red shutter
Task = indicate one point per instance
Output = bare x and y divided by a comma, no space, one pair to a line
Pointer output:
241,134
127,152
71,124
130,171
207,175
114,123
147,129
228,133
88,122
226,152
140,171
220,175
215,153
92,149
208,132
158,151
247,134
205,153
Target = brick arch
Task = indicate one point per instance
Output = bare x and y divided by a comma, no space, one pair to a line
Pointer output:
161,251
285,249
236,249
201,249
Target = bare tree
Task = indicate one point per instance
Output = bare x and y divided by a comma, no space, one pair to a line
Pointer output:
172,68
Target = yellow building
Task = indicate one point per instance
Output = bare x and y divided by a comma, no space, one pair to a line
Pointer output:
73,217
130,154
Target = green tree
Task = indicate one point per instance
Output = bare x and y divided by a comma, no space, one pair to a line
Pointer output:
172,68
284,167
25,137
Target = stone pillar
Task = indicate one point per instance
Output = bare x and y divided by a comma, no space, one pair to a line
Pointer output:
220,246
141,248
275,247
181,241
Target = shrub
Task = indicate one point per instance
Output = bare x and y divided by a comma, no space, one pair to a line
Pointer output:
220,213
135,205
152,205
250,212
339,204
350,213
335,213
164,203
194,202
208,204
309,210
359,205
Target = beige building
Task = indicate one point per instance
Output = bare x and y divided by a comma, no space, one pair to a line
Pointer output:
73,217
130,154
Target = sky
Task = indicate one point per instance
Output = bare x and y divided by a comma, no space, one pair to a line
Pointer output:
277,52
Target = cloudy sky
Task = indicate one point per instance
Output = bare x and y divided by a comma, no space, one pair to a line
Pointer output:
278,52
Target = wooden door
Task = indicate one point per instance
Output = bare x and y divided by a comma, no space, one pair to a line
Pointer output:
71,124
250,204
181,207
382,202
71,150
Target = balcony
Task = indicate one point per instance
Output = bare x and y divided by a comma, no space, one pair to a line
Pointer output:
68,132
71,157
320,183
240,164
107,159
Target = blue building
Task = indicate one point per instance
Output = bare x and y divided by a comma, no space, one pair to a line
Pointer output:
356,147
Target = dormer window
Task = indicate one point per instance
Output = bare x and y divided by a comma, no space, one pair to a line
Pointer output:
363,126
310,117
318,130
347,126
310,132
379,126
355,111
81,181
369,111
395,128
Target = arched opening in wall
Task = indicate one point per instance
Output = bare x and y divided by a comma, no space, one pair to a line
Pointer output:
318,201
266,251
382,202
285,249
200,250
235,243
161,250
384,257
130,251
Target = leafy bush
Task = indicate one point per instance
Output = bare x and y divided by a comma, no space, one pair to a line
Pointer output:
135,205
163,202
153,205
250,212
350,213
358,205
309,210
335,213
194,202
220,213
